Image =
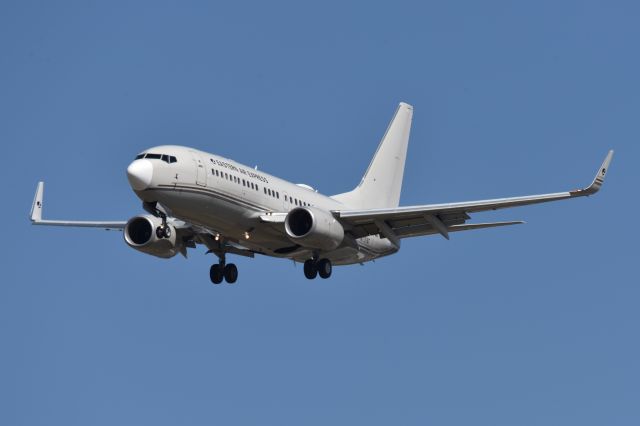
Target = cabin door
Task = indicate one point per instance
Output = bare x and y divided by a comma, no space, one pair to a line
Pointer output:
201,171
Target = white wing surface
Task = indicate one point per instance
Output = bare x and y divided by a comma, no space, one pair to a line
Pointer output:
36,216
410,221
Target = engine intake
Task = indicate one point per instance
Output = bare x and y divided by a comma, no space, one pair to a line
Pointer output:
314,228
140,234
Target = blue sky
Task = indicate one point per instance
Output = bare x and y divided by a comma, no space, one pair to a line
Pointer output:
529,325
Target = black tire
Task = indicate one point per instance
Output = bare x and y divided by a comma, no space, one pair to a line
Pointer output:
310,269
216,273
324,268
167,232
230,273
159,232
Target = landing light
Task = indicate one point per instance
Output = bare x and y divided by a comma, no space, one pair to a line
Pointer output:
246,235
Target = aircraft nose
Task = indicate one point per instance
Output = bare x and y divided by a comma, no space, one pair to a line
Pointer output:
140,173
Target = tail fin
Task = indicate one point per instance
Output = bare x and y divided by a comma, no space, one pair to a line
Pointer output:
382,182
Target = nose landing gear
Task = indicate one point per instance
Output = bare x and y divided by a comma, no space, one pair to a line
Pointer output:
164,230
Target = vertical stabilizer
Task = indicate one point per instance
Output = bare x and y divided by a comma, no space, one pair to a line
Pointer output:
382,182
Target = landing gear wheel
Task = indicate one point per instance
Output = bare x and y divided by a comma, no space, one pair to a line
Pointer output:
166,232
160,232
310,269
230,273
216,273
324,268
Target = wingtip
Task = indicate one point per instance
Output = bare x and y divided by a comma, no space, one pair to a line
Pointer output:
608,159
598,180
602,171
36,207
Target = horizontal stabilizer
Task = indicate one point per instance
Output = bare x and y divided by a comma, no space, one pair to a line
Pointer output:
422,230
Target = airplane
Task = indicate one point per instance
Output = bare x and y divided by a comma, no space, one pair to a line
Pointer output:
193,197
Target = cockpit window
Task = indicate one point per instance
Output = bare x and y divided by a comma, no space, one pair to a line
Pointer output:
164,157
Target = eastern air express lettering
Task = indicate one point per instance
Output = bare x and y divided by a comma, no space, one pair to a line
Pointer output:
239,170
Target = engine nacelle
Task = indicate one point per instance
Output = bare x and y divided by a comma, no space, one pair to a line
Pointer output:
140,233
314,228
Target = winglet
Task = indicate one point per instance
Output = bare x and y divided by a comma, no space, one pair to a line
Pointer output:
36,208
598,181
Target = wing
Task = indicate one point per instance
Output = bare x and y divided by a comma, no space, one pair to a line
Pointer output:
401,222
188,233
36,216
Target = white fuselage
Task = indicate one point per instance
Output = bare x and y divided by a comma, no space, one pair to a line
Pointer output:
228,198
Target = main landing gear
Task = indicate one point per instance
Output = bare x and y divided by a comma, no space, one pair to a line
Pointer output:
314,267
223,271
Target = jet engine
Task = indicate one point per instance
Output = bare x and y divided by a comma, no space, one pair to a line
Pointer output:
314,228
140,233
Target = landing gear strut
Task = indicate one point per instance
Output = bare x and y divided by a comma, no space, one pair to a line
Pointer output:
314,267
163,231
223,271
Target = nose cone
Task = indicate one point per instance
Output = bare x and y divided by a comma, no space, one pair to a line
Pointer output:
140,173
